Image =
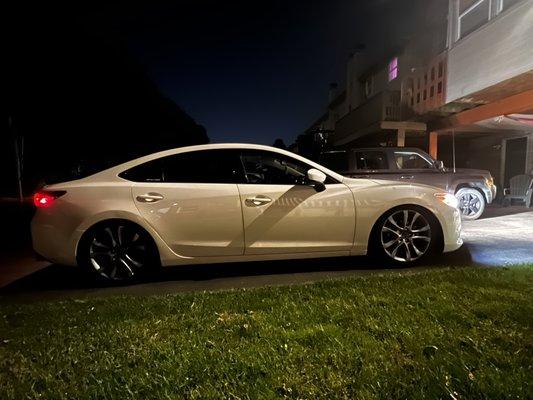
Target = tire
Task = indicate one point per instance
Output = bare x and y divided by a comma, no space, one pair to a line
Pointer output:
471,203
405,236
118,251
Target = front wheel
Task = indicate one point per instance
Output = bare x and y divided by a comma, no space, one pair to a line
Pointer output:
405,236
471,203
118,251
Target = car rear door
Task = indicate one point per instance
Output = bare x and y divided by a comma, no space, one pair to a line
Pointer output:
284,215
371,164
192,200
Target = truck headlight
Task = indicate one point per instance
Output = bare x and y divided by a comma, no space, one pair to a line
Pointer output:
448,199
489,181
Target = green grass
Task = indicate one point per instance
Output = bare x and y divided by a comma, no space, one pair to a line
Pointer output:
453,333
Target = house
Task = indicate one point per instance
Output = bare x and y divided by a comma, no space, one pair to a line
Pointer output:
463,92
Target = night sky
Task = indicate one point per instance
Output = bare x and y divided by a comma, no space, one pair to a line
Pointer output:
250,71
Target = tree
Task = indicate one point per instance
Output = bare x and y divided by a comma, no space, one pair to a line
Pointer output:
280,144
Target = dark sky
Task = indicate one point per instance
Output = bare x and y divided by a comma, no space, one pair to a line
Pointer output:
256,70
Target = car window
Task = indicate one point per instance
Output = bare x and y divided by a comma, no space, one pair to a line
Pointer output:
410,160
263,167
337,161
371,160
205,166
151,171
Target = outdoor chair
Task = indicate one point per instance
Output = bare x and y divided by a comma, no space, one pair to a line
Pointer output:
520,188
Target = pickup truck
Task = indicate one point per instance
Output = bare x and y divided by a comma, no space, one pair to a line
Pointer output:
473,188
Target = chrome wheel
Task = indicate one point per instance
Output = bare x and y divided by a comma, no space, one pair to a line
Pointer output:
406,235
119,251
471,203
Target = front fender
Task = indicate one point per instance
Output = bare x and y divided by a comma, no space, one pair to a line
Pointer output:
372,203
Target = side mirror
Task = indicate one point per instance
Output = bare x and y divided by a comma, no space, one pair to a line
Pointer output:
317,179
439,165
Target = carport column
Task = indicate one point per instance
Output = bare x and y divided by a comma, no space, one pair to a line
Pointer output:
401,137
433,144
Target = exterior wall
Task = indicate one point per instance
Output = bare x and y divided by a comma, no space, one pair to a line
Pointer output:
427,88
499,50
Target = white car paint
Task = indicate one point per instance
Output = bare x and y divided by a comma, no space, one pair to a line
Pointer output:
211,223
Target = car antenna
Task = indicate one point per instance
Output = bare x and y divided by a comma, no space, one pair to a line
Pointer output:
453,149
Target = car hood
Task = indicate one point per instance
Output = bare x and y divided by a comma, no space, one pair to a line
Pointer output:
468,171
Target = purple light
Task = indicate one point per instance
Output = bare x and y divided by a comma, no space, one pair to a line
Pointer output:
393,69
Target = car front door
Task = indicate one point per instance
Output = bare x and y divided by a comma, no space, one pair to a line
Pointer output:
191,199
412,166
283,214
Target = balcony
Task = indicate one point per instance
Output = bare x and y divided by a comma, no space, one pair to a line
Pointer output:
384,106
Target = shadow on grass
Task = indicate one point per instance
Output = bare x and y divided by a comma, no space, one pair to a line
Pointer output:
65,279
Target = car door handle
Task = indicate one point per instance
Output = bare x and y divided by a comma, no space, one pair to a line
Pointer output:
407,177
258,200
149,197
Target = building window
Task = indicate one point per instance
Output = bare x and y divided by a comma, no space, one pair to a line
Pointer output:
439,88
393,69
425,94
418,98
441,69
432,91
472,15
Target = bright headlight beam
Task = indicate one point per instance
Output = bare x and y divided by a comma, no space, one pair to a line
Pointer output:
448,199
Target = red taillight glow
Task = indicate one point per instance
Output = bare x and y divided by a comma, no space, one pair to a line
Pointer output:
45,199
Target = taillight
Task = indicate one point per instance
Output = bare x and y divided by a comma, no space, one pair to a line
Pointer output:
45,198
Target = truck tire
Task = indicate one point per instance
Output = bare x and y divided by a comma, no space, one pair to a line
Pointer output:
471,203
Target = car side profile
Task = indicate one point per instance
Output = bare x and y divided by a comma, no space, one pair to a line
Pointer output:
473,188
235,202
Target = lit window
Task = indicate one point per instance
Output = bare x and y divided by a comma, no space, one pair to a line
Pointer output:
393,69
472,15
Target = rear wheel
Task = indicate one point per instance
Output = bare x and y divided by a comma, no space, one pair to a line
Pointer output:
118,251
471,203
406,235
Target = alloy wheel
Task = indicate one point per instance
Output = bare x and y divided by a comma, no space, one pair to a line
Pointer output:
406,235
470,204
119,251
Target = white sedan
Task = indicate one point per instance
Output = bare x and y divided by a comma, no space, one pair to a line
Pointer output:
235,202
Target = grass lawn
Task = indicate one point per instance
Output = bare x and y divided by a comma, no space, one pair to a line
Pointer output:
447,333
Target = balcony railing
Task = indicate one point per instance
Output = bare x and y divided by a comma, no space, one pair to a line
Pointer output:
384,106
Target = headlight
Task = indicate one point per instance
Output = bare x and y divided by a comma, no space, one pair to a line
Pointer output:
489,181
448,199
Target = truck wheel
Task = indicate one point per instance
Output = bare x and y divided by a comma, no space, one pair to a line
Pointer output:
471,203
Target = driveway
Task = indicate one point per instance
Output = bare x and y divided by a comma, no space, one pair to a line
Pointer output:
495,240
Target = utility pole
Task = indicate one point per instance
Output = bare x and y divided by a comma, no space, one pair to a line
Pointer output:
18,156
